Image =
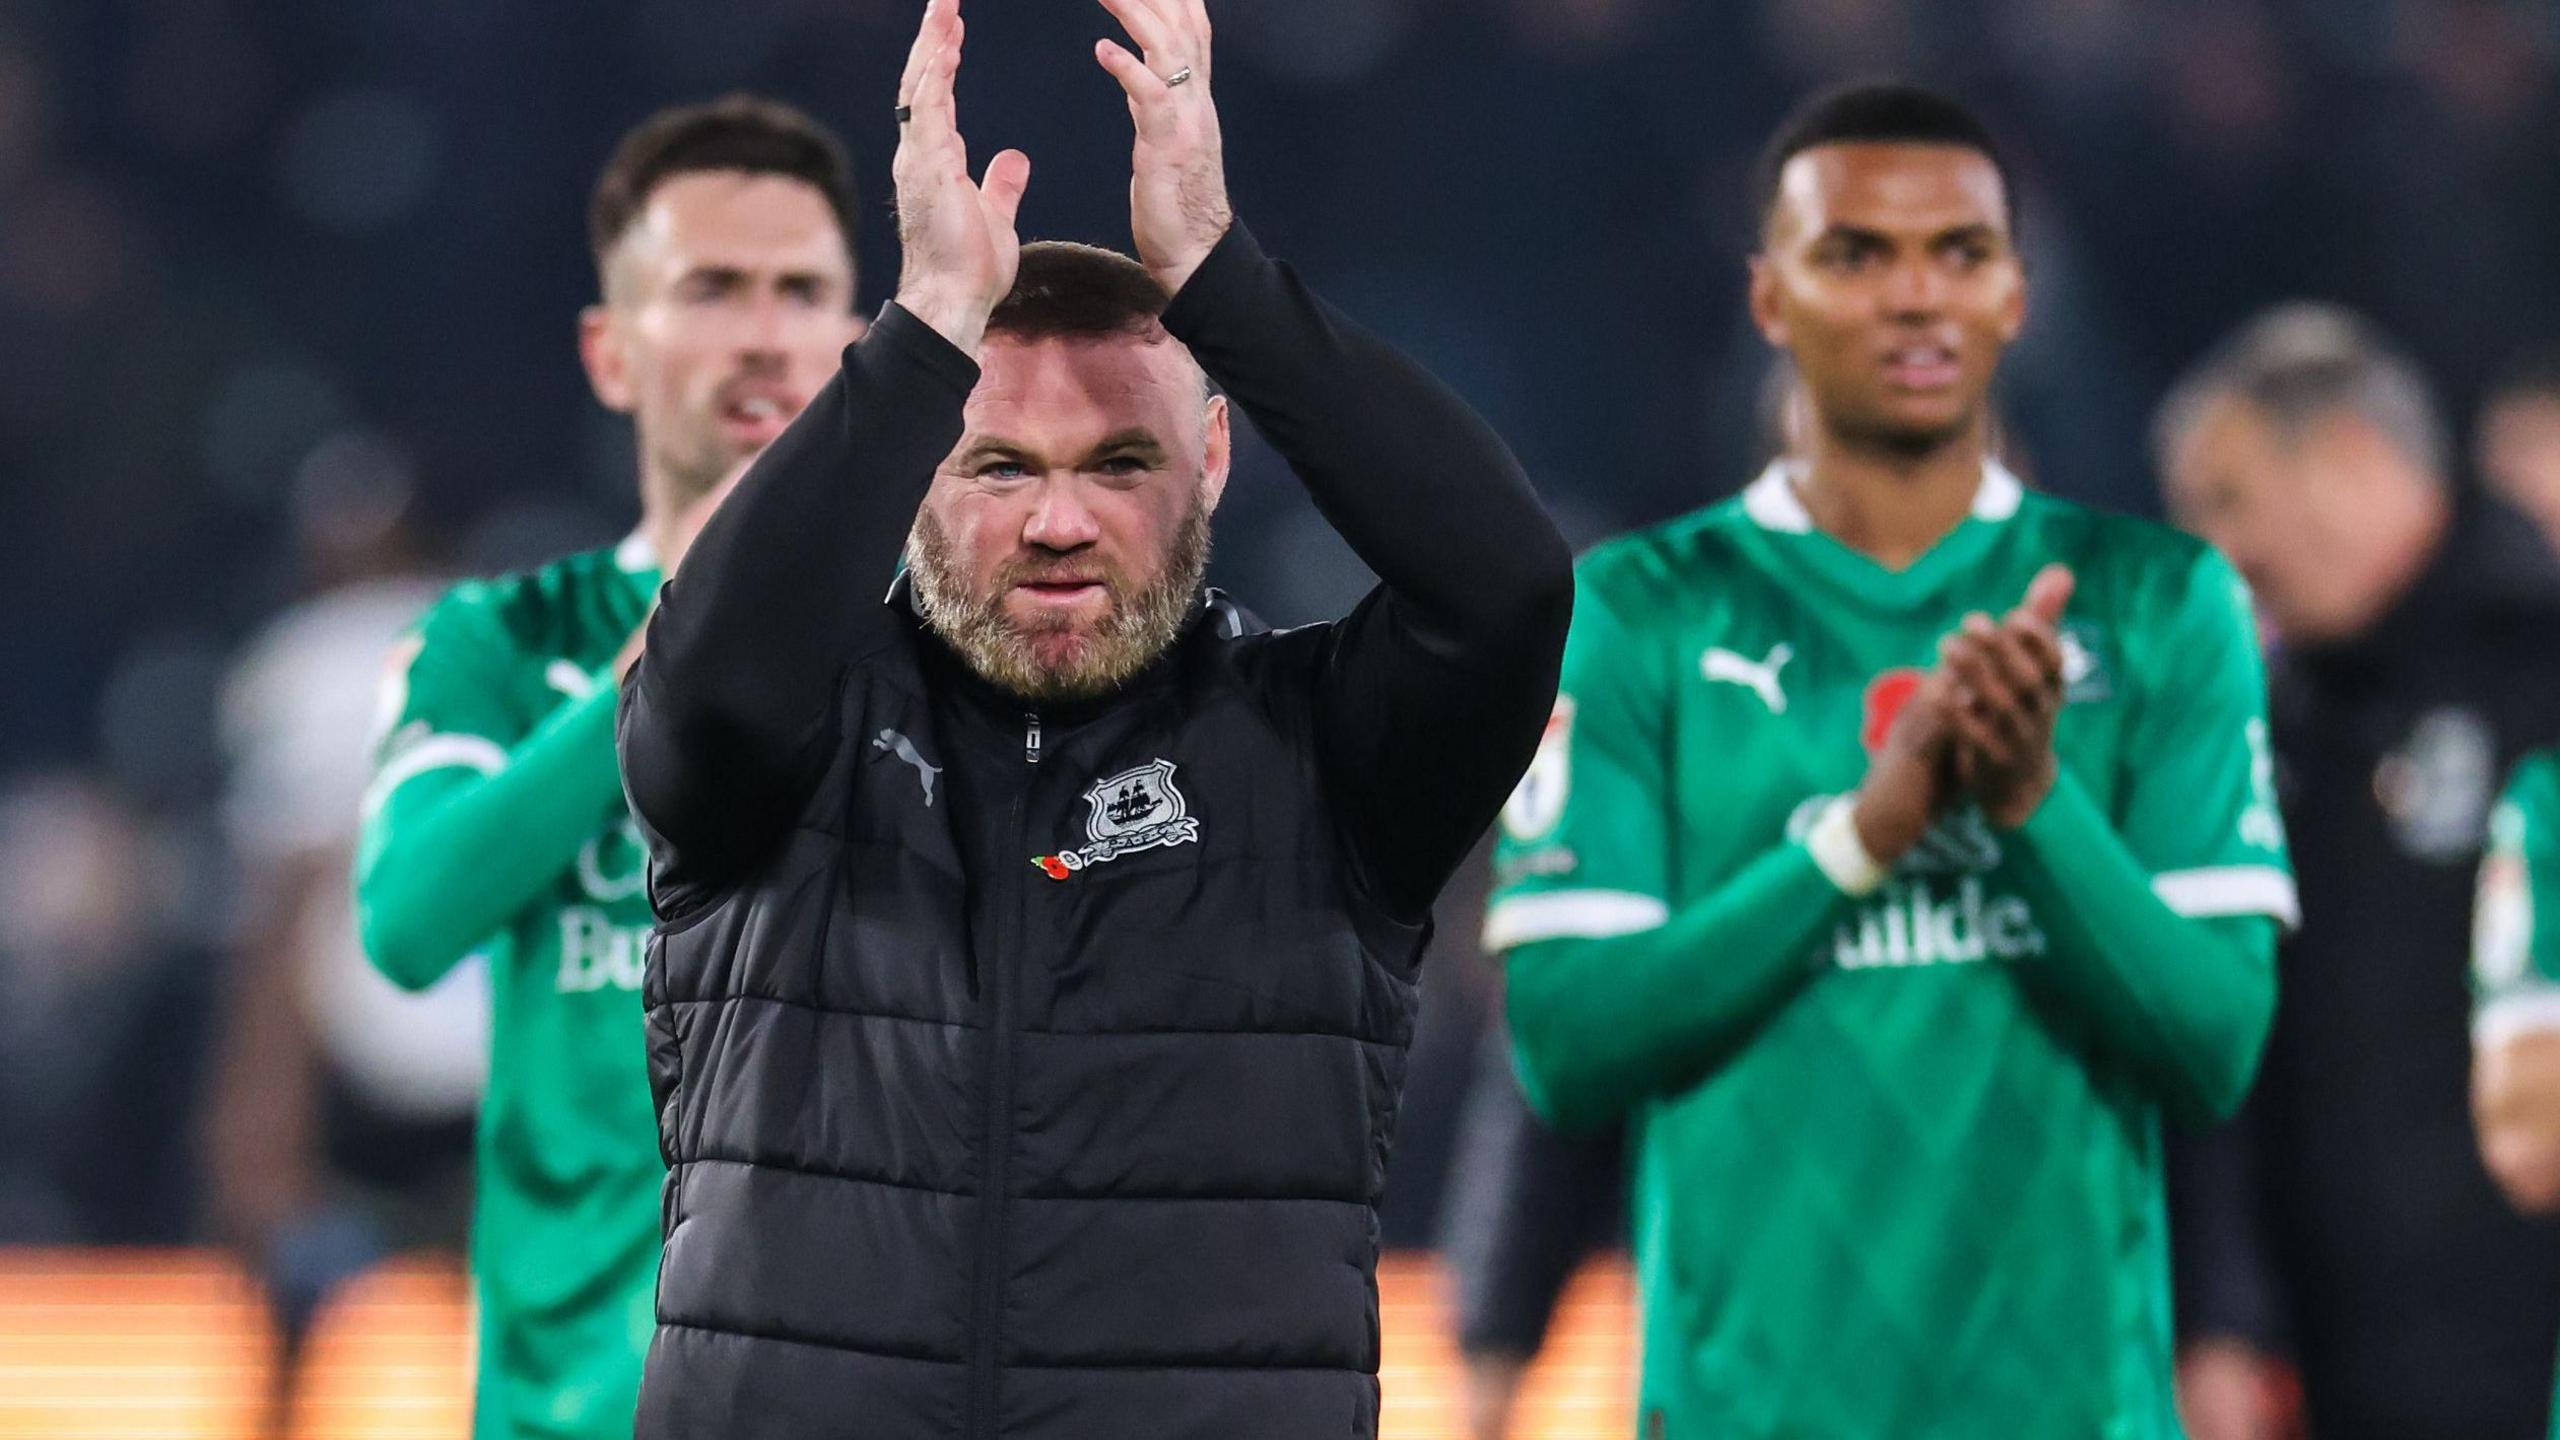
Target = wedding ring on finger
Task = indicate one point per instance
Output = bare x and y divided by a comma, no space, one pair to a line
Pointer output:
1177,77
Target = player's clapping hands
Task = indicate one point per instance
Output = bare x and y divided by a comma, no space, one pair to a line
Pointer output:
956,238
1178,176
1980,726
1910,778
2003,695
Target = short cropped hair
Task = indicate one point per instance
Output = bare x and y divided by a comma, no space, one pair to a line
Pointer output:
2303,362
1875,112
742,133
1063,290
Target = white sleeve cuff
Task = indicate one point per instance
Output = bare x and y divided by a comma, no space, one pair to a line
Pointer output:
1840,854
2218,890
2508,1016
1570,915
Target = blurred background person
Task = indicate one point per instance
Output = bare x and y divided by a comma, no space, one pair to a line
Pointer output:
102,1034
1525,1208
2344,1221
2519,441
338,1123
2515,976
1458,995
495,824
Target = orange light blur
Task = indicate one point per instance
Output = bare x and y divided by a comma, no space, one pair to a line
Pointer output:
177,1345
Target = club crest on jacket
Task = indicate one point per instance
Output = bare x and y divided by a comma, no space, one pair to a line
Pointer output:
1137,809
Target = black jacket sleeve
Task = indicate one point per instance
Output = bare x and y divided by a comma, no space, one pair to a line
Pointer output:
731,713
1435,689
2227,1285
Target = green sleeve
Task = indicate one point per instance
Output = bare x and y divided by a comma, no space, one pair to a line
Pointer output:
2161,919
1584,847
1612,997
2515,960
2198,807
2184,1001
471,816
1600,1025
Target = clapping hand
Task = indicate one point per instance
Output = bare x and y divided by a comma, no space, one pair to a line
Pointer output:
956,238
1178,207
2004,696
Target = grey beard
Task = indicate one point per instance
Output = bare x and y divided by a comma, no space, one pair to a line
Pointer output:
1137,630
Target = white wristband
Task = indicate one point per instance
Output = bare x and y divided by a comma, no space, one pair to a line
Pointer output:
1840,854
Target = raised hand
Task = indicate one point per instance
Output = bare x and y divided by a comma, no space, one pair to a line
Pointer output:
1178,176
956,238
1908,782
2006,694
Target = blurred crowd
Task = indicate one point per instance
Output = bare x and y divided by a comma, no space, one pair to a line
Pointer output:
286,306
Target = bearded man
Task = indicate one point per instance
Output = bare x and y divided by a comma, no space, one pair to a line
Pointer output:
1036,948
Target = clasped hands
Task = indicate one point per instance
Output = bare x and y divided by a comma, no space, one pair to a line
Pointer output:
956,236
1979,727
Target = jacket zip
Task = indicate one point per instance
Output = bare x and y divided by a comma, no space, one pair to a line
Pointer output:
998,1134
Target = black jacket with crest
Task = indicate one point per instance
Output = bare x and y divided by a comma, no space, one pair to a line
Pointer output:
1033,1072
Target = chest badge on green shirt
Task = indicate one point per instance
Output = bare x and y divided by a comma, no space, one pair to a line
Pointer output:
2086,677
1537,803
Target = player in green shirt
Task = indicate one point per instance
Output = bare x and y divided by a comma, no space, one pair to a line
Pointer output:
1893,929
496,819
2515,978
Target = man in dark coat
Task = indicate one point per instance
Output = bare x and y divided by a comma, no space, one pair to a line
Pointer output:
1035,966
2344,1220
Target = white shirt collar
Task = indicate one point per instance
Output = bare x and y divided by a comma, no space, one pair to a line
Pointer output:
635,554
1772,502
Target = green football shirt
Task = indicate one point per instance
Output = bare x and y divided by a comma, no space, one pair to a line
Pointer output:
496,824
2515,961
1912,1193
